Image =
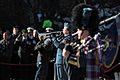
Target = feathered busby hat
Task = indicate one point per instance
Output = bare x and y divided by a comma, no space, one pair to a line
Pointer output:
85,17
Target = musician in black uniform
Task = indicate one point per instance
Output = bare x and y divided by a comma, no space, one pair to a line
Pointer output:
32,41
26,43
86,19
15,56
5,56
45,51
13,36
5,49
26,52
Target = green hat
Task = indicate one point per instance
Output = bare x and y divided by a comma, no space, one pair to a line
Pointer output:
47,24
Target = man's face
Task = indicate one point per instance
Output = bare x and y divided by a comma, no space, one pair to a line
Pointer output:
65,30
82,33
15,30
24,34
30,33
5,36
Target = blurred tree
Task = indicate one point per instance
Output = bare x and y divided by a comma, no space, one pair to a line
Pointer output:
25,11
12,12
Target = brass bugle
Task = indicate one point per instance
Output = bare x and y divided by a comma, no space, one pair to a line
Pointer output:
50,33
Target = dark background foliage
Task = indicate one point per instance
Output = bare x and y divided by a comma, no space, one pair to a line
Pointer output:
24,11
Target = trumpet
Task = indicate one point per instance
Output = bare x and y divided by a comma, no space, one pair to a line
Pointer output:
50,34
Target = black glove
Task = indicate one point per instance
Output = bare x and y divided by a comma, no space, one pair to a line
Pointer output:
53,35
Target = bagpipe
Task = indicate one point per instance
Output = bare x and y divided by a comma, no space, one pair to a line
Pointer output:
75,60
109,29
